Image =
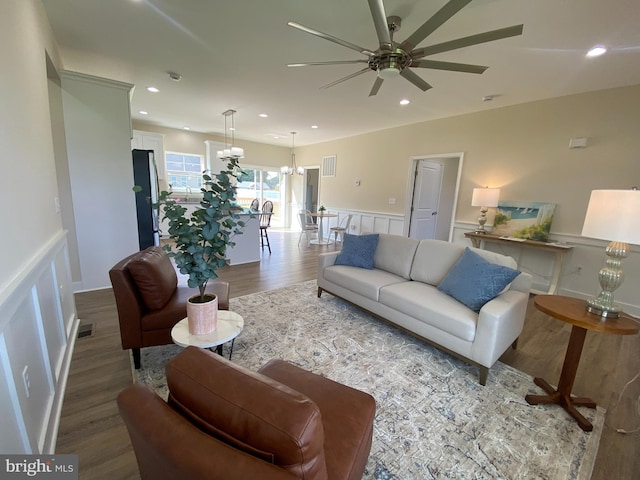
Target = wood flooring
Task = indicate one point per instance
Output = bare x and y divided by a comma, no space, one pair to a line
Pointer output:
91,427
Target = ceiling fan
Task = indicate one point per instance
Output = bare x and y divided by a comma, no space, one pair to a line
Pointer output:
391,58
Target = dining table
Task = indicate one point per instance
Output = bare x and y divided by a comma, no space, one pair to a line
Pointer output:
321,240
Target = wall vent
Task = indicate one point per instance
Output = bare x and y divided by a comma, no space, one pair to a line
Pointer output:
329,166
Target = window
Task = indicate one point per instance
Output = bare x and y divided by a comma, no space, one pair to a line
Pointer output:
184,171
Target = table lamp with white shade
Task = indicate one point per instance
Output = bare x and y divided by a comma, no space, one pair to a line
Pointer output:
484,198
612,215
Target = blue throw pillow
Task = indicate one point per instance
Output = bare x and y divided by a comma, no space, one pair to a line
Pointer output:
474,281
358,250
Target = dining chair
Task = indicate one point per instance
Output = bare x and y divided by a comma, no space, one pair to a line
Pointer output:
341,228
265,223
255,204
306,227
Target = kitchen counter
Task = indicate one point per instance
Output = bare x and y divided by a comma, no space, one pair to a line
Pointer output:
247,245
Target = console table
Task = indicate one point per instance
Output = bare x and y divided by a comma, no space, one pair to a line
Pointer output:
557,249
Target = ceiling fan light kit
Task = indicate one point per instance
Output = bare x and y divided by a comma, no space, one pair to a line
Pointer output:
392,59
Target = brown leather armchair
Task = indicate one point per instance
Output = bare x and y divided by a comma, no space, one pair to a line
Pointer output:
150,301
222,421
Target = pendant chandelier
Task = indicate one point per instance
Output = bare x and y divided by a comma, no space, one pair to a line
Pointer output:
290,170
229,151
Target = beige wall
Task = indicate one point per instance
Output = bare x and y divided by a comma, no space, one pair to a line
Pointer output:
524,150
184,141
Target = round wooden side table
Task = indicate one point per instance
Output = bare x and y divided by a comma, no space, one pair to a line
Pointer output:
573,311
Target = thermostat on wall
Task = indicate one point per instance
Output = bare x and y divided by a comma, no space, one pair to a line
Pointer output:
578,142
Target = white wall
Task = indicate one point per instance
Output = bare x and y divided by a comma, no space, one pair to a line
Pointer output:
38,321
28,168
98,140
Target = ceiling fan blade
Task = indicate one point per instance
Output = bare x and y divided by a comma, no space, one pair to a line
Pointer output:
455,67
331,38
348,77
415,79
336,62
376,86
468,41
440,17
380,22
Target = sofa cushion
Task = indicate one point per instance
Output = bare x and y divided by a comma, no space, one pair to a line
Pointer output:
358,250
433,260
474,281
395,254
243,407
154,277
363,282
429,305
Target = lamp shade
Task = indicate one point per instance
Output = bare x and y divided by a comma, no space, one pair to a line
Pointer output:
485,197
613,215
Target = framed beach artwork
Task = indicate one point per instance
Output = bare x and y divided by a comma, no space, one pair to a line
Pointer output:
528,220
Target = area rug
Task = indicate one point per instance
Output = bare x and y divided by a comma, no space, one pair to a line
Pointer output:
434,420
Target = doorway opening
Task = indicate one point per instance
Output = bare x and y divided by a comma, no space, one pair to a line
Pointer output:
432,196
262,184
311,189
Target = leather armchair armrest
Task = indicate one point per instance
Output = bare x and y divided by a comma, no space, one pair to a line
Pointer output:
187,452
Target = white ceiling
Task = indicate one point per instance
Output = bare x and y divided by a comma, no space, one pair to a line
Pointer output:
233,54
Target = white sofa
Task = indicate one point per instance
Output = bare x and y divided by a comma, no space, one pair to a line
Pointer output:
402,289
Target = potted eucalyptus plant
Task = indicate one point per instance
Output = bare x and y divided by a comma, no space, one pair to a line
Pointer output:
201,238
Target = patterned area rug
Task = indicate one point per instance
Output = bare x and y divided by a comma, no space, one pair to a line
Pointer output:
434,420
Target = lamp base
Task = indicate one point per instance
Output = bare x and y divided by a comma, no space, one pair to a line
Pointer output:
604,312
610,278
482,219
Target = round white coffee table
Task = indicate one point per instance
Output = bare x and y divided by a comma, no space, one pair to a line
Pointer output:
230,324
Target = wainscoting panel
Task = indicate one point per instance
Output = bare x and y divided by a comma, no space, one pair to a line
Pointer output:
367,222
37,334
53,338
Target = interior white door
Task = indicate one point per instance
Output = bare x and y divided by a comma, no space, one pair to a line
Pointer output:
426,195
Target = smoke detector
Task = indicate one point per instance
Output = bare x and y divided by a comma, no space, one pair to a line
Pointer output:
176,77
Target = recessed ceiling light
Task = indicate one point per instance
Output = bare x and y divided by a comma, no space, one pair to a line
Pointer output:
233,129
314,126
152,89
597,51
186,128
263,115
404,101
143,112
